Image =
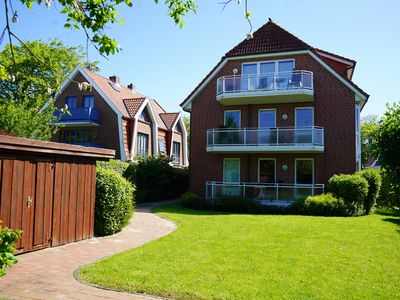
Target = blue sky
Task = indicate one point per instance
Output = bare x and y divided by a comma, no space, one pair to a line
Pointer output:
166,63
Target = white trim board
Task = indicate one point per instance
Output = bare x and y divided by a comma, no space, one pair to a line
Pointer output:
358,98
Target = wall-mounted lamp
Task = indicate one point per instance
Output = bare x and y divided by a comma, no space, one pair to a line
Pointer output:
284,168
284,117
235,71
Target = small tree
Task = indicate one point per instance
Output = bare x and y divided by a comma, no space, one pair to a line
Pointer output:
369,136
389,144
373,177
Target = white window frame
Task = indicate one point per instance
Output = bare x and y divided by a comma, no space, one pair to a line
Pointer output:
233,110
265,109
258,171
258,63
358,135
295,171
223,168
303,107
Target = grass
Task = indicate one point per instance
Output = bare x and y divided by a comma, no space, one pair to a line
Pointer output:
232,256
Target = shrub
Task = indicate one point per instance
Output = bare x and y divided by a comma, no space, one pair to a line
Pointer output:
156,179
353,189
116,165
114,202
8,237
388,195
374,180
236,204
320,205
192,200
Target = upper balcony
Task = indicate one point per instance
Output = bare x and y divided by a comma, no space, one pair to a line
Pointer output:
294,86
80,116
283,139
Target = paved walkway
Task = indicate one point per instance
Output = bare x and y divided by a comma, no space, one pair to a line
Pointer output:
48,273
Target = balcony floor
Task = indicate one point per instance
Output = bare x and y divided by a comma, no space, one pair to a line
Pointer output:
266,148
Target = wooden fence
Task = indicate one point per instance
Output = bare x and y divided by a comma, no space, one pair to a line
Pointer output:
47,190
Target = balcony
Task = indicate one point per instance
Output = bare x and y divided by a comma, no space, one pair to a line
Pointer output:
264,193
81,116
284,139
284,87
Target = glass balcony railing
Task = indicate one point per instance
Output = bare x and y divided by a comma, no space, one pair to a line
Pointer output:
244,84
254,139
262,192
79,114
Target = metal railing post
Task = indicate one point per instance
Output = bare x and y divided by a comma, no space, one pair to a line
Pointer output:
244,190
244,136
277,136
213,136
312,136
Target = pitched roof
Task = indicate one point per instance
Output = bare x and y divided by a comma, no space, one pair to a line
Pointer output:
158,110
115,96
169,119
132,105
269,38
335,55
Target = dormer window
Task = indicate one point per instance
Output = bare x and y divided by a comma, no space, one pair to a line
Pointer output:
178,128
144,116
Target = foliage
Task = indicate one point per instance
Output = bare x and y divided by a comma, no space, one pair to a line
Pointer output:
156,179
236,204
353,189
320,205
8,237
388,196
389,144
95,16
369,135
114,202
238,256
192,200
374,180
23,95
116,165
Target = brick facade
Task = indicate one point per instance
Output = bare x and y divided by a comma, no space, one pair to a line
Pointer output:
334,109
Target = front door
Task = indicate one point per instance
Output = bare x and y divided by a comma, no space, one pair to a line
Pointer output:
267,126
231,177
304,124
266,174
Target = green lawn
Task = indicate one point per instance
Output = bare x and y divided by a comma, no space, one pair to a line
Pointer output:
231,256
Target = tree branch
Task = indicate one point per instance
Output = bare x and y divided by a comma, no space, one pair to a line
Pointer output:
9,34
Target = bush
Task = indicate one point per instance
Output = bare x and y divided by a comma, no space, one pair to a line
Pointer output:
114,202
8,237
373,177
192,200
116,165
320,205
388,196
156,179
353,189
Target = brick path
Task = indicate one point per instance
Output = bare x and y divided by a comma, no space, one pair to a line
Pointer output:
48,273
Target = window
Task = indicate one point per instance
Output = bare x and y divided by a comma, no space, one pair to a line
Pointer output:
232,118
266,170
88,101
82,137
231,170
161,146
178,128
304,117
144,116
304,171
176,153
71,101
267,118
143,145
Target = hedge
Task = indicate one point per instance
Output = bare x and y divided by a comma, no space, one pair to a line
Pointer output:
320,205
114,202
373,177
353,189
116,165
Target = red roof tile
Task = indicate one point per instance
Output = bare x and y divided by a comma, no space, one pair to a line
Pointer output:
269,38
157,109
132,105
169,119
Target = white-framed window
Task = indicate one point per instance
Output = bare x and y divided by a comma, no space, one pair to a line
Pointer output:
266,118
304,117
231,171
176,152
266,67
143,145
267,170
88,101
161,145
304,171
232,118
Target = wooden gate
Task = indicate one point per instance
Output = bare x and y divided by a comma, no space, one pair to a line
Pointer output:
47,190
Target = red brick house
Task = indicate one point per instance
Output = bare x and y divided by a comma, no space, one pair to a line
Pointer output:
106,114
274,119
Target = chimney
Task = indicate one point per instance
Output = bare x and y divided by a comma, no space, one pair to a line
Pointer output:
131,87
114,79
